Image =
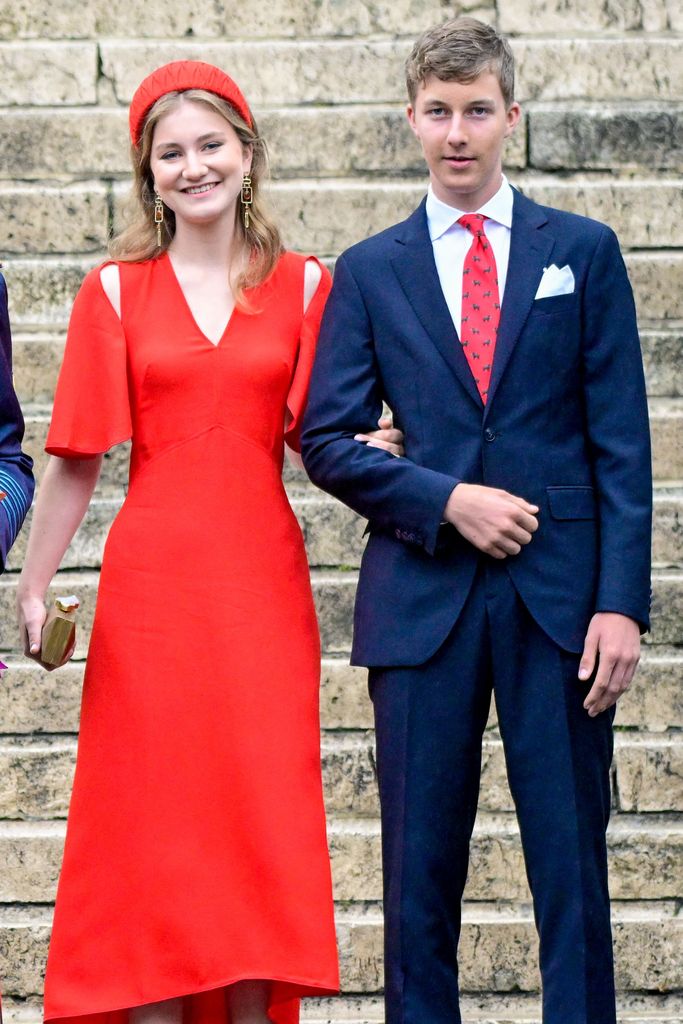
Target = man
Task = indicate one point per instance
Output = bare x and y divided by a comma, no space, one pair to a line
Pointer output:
509,549
16,478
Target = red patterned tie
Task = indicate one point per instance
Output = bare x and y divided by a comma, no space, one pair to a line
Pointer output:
480,303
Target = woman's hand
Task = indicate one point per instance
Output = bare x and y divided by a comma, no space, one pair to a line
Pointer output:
388,437
65,491
32,613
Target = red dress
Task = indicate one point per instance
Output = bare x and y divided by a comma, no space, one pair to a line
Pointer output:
196,853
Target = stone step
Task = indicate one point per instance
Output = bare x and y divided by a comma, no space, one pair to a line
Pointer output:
475,1009
340,140
498,948
599,136
54,218
281,18
666,425
334,595
36,775
300,18
35,701
657,280
645,858
36,359
305,71
351,140
52,74
482,1009
369,71
490,1011
38,356
647,771
42,290
330,215
115,464
663,360
667,529
520,16
333,533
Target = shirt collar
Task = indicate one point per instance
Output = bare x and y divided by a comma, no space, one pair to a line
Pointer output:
441,217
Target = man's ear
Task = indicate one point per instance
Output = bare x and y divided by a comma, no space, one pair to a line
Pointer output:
513,115
410,114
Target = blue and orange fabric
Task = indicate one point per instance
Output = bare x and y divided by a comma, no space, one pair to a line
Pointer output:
16,476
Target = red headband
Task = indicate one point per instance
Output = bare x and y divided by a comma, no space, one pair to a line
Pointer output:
179,76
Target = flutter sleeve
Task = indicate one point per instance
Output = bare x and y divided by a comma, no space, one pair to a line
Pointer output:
298,390
92,408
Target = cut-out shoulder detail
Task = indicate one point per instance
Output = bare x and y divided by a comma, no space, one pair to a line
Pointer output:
312,276
111,285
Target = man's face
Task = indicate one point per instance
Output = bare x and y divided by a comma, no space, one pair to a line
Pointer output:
462,127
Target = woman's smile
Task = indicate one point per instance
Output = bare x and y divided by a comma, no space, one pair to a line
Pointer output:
196,190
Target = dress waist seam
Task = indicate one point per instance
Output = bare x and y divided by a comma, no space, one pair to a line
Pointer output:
173,445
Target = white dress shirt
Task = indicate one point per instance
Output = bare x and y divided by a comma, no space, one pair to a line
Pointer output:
451,242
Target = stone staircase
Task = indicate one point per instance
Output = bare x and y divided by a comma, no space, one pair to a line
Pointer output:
602,89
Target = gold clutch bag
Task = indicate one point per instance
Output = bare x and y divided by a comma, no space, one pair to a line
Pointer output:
59,630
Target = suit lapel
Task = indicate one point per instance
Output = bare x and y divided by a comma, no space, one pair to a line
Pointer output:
529,252
416,271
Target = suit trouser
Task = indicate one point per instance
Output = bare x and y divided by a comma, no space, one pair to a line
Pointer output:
429,725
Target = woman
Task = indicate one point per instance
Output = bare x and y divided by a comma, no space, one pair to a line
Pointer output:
195,882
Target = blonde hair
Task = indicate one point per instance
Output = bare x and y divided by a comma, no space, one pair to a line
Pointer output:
138,241
459,51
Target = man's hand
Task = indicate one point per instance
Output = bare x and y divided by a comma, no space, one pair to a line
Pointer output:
388,437
496,522
613,642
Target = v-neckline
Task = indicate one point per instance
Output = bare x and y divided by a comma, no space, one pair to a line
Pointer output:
188,308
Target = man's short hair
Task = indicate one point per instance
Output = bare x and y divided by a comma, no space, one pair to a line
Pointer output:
459,51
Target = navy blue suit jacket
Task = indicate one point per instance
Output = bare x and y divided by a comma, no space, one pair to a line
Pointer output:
565,427
16,477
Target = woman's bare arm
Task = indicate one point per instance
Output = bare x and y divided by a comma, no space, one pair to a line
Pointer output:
63,498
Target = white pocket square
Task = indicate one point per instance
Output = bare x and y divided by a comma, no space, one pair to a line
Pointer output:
555,281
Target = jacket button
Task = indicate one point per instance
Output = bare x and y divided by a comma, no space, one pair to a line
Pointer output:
490,435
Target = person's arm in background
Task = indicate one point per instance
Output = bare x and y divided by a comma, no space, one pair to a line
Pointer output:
16,468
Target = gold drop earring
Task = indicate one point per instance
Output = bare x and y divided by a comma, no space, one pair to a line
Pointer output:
158,215
247,197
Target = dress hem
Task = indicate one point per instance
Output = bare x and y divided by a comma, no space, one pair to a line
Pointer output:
319,988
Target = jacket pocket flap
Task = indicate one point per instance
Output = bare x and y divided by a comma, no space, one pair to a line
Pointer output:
555,303
571,502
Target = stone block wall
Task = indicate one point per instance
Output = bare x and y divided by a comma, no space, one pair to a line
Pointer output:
601,86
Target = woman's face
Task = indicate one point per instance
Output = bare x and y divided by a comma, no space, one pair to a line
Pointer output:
198,163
